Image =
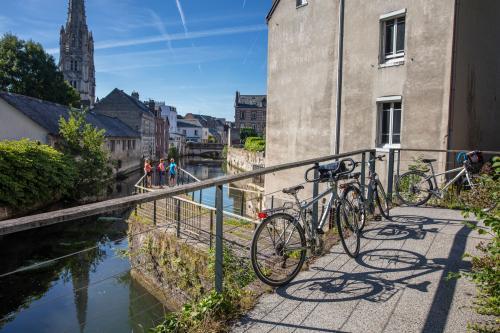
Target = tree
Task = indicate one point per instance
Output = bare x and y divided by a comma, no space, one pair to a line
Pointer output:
247,132
85,145
26,69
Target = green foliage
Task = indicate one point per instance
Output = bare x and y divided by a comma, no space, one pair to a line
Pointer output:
245,133
85,145
485,272
224,152
26,69
33,174
211,312
255,144
173,153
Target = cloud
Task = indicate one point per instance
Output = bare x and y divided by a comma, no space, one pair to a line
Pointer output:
250,49
181,13
161,28
244,3
180,36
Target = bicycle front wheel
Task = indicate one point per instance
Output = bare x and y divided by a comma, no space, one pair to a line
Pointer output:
355,197
384,205
278,249
348,219
413,188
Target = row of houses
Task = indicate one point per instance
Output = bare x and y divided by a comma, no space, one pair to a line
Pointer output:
135,130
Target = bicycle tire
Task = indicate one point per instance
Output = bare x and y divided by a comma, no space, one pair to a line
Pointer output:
358,203
348,230
259,271
406,180
381,199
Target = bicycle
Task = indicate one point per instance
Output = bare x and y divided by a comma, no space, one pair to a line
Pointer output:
416,187
377,189
279,244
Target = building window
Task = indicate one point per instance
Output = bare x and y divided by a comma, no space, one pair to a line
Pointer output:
393,36
129,143
112,148
254,115
195,132
242,115
184,131
389,123
124,145
133,144
300,3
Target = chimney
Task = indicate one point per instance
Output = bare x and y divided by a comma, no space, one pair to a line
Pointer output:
135,95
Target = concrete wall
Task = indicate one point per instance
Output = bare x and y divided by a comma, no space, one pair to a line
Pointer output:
475,117
301,81
130,159
244,160
14,125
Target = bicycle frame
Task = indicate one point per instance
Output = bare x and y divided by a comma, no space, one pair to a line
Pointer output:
439,191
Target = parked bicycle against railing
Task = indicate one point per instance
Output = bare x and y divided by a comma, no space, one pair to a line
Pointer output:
416,187
379,198
280,242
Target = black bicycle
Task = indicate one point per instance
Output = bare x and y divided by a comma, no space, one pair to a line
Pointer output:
379,198
280,242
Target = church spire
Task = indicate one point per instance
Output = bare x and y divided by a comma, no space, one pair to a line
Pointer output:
77,52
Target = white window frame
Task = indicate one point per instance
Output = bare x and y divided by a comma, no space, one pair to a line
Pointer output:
395,57
300,3
380,102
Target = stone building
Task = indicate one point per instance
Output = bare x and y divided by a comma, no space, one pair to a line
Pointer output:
76,57
250,112
176,138
415,74
215,126
161,128
35,119
135,114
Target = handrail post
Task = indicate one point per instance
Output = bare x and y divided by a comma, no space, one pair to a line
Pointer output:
154,212
315,205
390,175
178,217
242,203
211,227
218,240
370,189
363,174
201,191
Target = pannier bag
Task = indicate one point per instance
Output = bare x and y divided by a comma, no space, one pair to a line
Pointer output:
474,161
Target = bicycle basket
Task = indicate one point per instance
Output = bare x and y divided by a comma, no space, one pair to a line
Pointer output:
327,171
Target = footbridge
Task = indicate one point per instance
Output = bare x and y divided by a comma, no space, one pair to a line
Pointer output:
204,149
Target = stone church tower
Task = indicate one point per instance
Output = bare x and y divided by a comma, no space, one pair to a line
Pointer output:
76,59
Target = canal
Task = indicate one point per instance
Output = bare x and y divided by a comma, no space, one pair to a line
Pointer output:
91,291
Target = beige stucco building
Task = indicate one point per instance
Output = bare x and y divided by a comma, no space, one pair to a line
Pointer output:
415,74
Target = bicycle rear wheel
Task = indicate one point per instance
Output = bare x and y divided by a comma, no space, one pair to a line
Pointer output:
347,224
413,188
355,197
384,205
278,249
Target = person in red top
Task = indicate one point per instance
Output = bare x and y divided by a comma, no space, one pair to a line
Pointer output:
148,170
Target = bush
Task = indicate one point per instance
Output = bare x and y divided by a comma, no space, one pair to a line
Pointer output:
255,144
33,174
173,153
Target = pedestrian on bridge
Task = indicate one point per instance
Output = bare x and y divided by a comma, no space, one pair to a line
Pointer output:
172,171
148,170
161,173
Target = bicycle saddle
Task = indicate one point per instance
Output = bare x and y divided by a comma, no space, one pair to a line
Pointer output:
427,160
293,190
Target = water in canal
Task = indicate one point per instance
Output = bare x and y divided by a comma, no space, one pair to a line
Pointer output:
91,291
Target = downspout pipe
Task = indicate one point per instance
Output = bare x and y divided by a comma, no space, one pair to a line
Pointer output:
338,111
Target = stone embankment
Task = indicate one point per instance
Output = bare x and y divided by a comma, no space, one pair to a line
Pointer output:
244,160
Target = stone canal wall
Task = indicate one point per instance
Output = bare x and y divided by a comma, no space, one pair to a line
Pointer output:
244,160
173,269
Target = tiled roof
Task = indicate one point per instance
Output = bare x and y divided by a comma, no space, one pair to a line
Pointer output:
185,123
251,101
47,115
115,97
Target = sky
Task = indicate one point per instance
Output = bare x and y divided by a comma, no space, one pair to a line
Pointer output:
192,54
